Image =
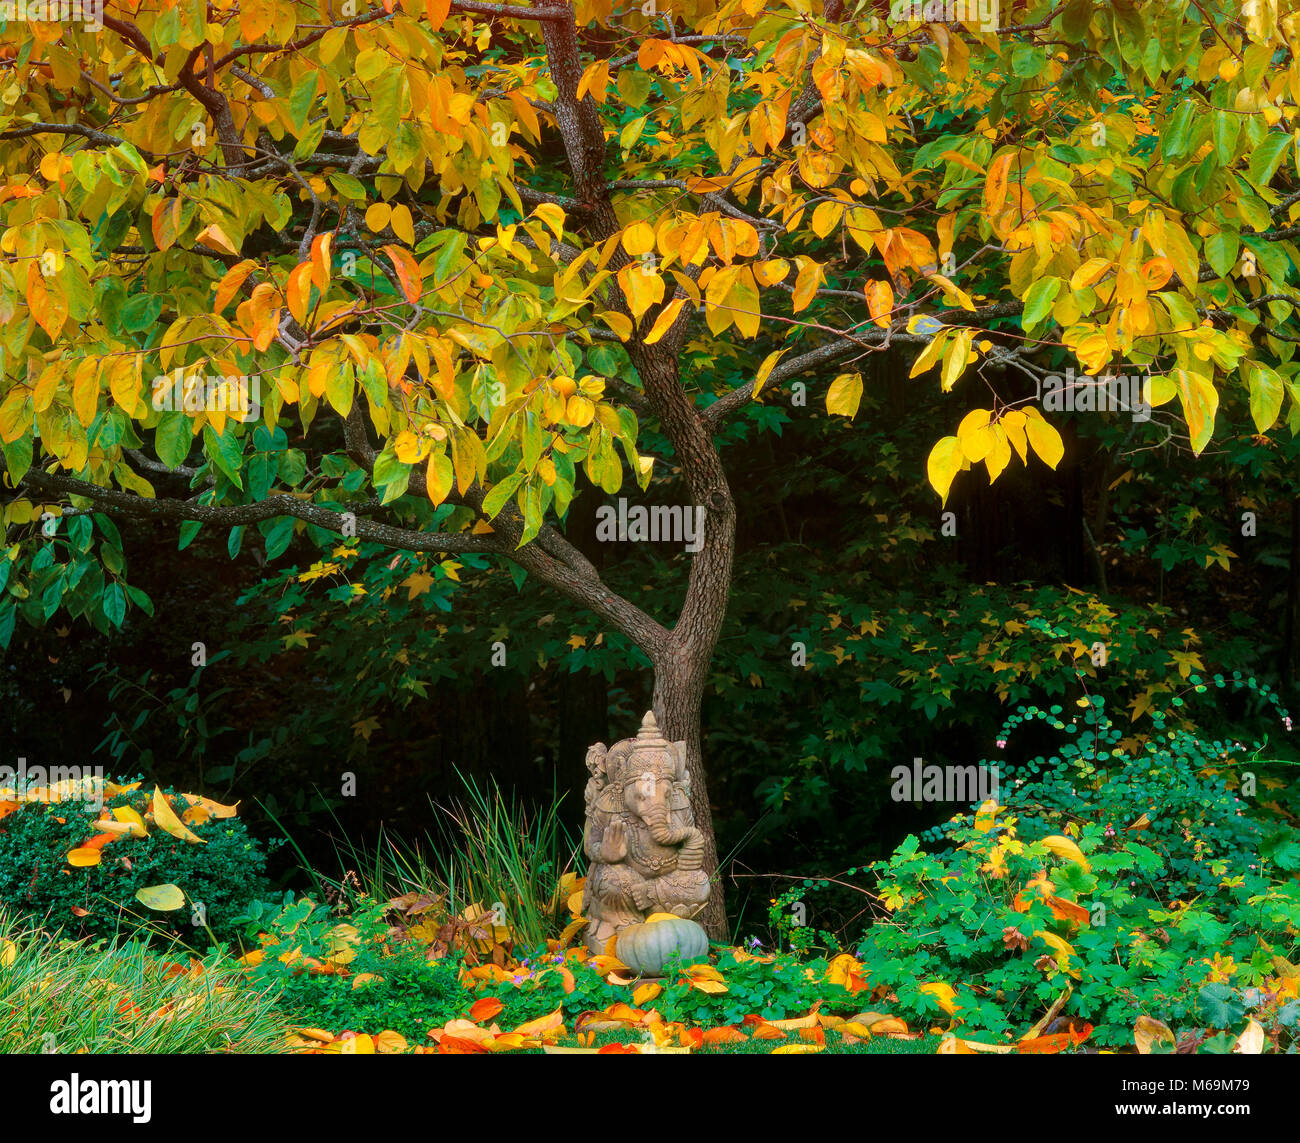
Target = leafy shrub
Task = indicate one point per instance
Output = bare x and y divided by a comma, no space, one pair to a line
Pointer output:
1088,896
61,995
1183,794
222,874
343,974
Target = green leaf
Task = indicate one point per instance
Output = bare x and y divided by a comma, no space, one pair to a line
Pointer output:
1221,1004
1265,158
114,604
173,438
1266,391
1221,249
226,451
235,540
1038,301
278,534
140,312
500,493
188,531
1226,128
1178,131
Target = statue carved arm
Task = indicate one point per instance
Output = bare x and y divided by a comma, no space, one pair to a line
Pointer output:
613,844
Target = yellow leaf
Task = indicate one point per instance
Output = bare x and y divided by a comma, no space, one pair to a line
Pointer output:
131,818
826,217
944,462
1064,848
215,809
164,898
975,436
579,411
1148,1031
765,370
713,987
83,857
553,216
439,477
617,322
594,81
165,817
215,238
930,354
797,1049
954,361
638,239
944,995
771,271
377,215
1089,273
409,448
880,302
645,993
810,277
1046,441
663,323
402,224
844,395
641,287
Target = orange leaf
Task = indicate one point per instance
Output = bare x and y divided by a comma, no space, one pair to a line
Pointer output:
1065,910
230,282
485,1009
455,1046
995,186
408,272
320,261
617,1049
880,301
298,291
543,1024
727,1034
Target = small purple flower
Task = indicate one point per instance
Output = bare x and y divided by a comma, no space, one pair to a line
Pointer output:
1110,831
753,943
1001,743
1286,721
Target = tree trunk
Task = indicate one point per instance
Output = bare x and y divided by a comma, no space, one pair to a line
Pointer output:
677,696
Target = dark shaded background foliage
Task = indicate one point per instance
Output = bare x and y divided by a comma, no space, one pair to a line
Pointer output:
837,529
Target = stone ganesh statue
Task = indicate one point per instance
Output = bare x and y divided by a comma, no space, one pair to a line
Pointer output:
645,854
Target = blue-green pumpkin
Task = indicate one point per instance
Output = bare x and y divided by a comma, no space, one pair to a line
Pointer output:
645,948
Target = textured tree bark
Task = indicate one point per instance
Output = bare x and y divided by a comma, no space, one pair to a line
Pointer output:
677,698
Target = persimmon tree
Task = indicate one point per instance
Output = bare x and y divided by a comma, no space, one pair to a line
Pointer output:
462,250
